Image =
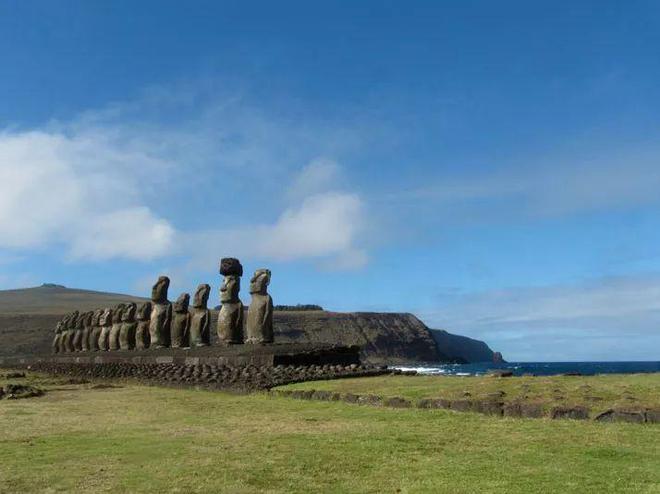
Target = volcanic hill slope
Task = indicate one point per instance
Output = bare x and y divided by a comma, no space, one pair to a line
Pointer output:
28,317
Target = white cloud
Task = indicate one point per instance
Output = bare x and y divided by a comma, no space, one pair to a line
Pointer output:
113,183
320,175
71,189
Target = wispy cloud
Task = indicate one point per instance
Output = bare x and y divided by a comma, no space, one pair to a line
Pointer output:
602,318
119,182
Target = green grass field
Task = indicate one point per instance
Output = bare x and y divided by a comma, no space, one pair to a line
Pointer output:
148,439
598,393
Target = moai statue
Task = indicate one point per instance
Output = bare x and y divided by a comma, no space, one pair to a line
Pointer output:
56,339
87,329
128,327
161,314
200,320
95,332
260,312
142,330
113,337
105,321
71,332
180,327
61,342
78,334
230,318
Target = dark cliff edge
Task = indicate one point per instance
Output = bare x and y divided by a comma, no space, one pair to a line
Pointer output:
28,317
464,349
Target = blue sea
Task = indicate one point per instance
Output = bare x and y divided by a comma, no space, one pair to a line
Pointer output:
537,368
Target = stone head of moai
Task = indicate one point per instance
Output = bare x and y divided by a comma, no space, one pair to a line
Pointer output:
73,320
96,317
182,303
144,311
128,314
231,286
106,317
201,297
260,281
117,313
159,290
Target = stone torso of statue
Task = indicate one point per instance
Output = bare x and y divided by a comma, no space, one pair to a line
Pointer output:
78,335
200,317
61,342
179,336
230,318
95,333
105,322
128,327
161,314
142,330
56,338
87,328
113,338
71,332
260,312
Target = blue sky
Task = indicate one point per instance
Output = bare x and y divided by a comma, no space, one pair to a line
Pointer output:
493,167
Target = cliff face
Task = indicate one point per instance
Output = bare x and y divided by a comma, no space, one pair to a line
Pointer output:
462,347
28,318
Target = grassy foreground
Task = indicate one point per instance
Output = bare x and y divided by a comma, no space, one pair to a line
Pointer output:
147,439
598,393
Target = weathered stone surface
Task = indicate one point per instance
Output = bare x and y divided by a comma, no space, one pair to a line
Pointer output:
56,338
200,317
372,400
260,312
105,321
161,314
653,416
95,332
179,329
71,331
631,416
128,327
143,316
461,405
397,402
489,407
115,329
230,317
230,266
87,327
574,413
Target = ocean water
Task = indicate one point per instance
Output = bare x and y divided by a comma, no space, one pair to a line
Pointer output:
537,368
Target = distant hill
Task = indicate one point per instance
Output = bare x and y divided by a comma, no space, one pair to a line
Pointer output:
28,317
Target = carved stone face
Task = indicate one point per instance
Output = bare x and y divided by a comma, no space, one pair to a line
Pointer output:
106,318
144,311
116,313
202,296
231,285
128,315
96,317
73,320
181,304
259,282
159,290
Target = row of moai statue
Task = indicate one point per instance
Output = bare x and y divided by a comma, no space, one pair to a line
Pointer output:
162,324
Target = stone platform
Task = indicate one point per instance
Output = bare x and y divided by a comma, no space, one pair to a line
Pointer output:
287,354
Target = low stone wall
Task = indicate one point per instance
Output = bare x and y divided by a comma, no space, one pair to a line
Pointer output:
489,406
237,378
236,355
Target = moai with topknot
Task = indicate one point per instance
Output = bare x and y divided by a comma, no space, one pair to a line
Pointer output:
260,312
230,318
105,321
179,337
128,327
142,338
161,314
200,318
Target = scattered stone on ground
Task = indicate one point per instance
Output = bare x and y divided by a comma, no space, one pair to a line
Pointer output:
18,391
14,375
